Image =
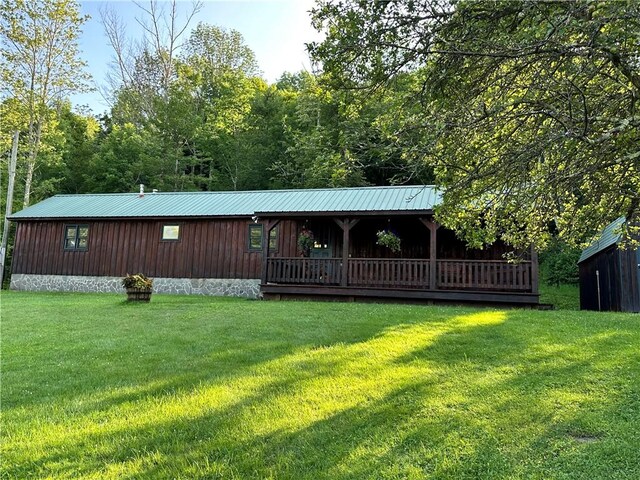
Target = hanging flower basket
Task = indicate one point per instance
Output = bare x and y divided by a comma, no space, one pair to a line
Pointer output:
386,238
306,241
139,287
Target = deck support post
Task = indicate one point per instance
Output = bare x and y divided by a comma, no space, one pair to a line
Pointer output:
433,228
346,225
266,235
534,270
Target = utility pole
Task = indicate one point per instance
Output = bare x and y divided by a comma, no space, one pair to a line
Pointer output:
7,213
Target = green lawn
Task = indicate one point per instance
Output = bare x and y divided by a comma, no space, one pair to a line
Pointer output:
194,387
563,297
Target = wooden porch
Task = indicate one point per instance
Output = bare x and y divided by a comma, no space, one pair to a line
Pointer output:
427,279
406,273
456,280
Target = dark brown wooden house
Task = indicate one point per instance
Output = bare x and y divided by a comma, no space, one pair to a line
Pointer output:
246,243
609,275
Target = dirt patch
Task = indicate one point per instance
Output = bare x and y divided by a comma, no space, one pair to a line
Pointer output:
582,438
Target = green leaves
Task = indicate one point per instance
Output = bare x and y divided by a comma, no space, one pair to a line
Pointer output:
526,111
40,67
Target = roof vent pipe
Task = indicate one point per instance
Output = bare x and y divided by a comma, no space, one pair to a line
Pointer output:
141,194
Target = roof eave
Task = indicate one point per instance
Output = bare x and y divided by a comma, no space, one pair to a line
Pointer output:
613,246
365,213
361,213
155,218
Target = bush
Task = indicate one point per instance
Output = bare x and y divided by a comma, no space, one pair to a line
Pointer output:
559,264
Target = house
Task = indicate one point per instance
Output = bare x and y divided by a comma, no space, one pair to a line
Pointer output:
246,244
610,275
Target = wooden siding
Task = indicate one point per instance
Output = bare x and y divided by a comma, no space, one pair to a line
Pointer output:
630,275
206,249
219,248
619,273
607,264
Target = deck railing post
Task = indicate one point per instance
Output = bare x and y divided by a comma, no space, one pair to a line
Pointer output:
534,270
433,229
346,225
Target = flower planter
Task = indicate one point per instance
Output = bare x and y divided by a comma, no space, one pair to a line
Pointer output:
138,294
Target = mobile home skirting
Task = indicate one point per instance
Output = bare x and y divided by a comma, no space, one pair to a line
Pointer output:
229,287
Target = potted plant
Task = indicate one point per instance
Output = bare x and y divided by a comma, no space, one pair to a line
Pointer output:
138,286
305,241
386,238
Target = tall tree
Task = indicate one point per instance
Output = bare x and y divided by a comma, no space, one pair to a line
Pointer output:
337,138
529,109
161,40
78,142
198,113
215,51
40,64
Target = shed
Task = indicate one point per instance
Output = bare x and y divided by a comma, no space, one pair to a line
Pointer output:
610,275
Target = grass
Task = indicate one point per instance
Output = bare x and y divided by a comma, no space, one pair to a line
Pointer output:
562,297
195,387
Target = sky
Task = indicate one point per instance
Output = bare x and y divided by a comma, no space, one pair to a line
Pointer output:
276,30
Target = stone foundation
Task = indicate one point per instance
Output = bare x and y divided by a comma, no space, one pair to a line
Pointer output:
229,287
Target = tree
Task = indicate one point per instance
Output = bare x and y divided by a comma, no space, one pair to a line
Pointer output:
215,51
528,109
343,138
158,46
559,264
40,64
79,141
126,157
193,95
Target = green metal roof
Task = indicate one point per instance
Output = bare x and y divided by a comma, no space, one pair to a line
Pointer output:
609,236
216,204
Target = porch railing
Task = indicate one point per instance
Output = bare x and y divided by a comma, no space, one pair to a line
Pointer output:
320,271
383,272
402,273
483,275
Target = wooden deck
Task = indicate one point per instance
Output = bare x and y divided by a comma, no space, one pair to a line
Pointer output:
480,281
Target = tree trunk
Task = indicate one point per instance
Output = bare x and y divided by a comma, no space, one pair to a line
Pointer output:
31,164
8,207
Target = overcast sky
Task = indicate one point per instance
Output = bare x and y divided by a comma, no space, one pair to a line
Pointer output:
276,30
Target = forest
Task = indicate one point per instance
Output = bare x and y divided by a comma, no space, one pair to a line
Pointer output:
206,120
524,112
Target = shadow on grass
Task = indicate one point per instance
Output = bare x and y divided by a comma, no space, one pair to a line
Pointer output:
161,347
478,395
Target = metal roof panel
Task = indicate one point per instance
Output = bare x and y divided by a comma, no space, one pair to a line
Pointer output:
609,236
213,204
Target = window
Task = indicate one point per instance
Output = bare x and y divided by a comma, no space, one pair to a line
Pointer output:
76,237
171,232
273,239
255,238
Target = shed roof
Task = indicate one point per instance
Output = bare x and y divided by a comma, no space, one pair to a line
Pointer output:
399,199
609,236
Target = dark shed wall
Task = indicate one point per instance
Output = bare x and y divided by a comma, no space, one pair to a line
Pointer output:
206,249
607,264
630,278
